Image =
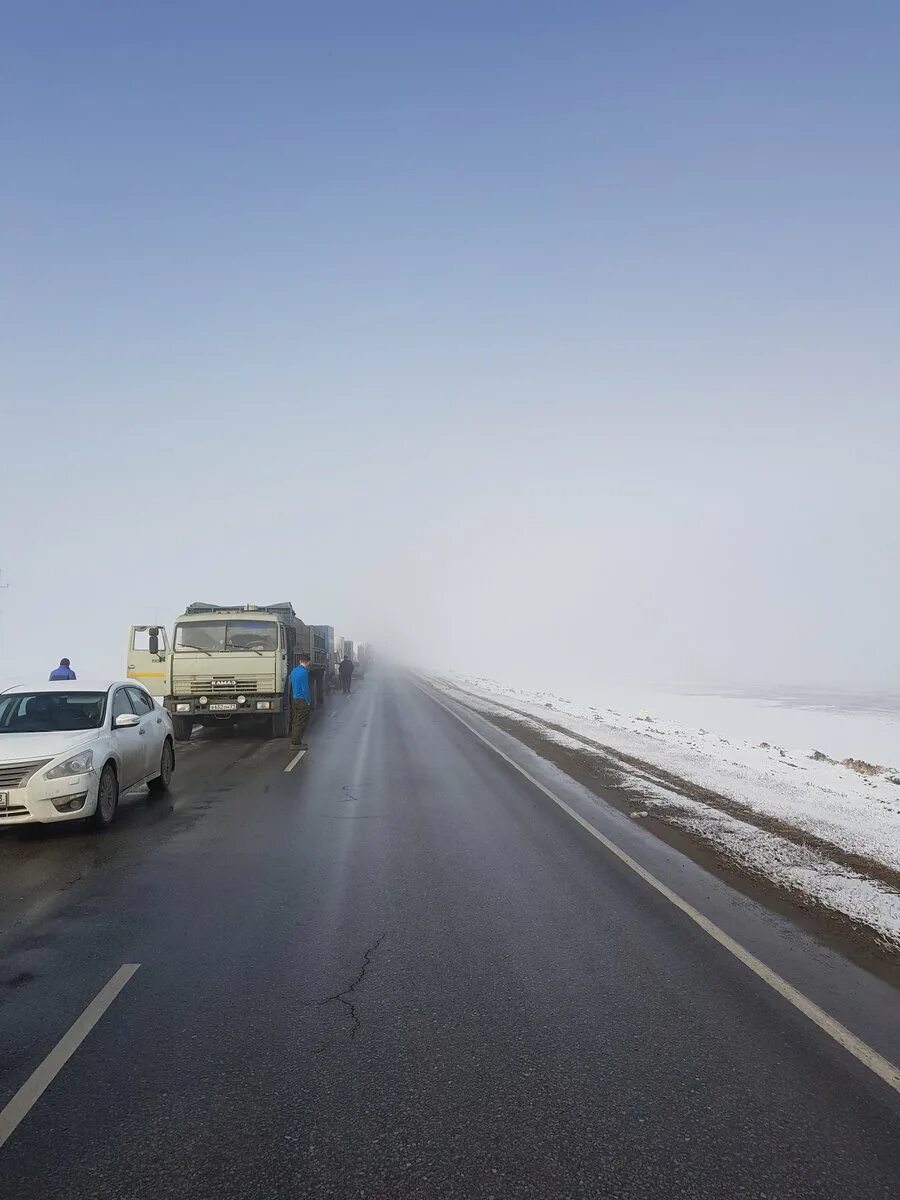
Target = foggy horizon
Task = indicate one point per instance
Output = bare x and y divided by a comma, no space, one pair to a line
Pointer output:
552,347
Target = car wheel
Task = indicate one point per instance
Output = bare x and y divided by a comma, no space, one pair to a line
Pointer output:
107,798
166,767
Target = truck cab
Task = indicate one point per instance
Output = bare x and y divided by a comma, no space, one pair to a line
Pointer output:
149,658
229,663
224,664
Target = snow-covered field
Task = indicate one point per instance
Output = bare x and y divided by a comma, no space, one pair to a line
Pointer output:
772,793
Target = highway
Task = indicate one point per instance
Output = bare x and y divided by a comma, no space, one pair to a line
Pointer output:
401,969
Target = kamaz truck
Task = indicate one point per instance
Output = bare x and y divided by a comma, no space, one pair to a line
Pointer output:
227,664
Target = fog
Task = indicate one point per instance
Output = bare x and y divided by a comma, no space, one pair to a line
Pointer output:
450,359
532,542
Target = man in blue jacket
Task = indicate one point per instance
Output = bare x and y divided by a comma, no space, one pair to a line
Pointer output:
63,671
301,702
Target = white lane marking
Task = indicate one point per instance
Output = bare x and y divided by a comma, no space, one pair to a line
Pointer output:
32,1090
859,1049
300,754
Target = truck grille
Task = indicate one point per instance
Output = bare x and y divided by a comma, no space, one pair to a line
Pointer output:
17,774
243,684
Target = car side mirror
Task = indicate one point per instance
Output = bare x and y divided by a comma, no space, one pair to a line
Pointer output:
126,721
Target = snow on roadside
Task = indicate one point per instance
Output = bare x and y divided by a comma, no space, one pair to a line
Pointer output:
857,814
798,868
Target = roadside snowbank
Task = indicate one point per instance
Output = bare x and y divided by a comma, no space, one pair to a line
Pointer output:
774,794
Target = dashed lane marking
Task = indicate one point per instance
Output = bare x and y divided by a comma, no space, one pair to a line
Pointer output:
34,1087
297,757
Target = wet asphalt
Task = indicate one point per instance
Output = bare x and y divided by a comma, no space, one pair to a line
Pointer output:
399,970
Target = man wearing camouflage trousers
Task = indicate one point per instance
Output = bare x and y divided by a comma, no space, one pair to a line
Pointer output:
301,702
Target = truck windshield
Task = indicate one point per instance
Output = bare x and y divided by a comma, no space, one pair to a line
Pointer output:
221,637
51,712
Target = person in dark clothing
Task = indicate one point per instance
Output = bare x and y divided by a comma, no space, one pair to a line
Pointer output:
345,670
63,671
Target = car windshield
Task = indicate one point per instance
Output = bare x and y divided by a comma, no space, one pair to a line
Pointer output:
218,637
51,712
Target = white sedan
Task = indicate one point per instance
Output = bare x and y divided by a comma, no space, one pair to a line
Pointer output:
69,749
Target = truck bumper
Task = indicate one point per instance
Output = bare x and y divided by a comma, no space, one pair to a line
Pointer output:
224,707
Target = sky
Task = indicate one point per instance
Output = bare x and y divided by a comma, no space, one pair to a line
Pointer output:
557,342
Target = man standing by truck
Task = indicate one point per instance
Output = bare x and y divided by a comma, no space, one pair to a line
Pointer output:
300,701
345,670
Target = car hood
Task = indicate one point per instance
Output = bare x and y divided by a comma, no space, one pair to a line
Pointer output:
24,747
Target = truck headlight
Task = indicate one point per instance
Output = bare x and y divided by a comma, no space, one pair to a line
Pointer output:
264,704
78,764
182,708
203,700
242,699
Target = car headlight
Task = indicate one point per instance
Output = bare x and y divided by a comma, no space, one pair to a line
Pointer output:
78,764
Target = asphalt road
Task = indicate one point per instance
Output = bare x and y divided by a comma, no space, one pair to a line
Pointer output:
401,970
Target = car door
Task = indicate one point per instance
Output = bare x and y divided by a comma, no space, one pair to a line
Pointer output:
129,742
149,658
153,727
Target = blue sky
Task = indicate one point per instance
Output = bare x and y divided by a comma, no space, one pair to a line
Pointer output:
458,317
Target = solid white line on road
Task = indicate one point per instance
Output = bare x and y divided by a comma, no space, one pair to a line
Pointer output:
32,1090
859,1049
300,754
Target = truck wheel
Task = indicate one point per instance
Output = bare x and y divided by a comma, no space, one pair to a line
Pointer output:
281,722
183,727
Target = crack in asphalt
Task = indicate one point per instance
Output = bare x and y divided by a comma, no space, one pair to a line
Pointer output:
341,997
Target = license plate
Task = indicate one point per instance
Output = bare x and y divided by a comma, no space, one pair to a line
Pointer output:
223,708
4,801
